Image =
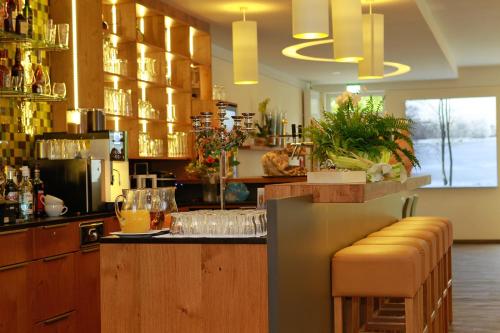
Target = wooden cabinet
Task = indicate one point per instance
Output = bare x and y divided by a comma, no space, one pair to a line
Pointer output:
65,323
15,246
87,277
111,224
14,298
52,284
51,240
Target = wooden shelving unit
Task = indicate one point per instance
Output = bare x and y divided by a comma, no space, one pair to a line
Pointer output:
180,48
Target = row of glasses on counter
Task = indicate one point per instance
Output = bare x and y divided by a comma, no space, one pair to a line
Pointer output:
220,223
149,147
112,64
147,111
177,144
118,102
62,149
147,69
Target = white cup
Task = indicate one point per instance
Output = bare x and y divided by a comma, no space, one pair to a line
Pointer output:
51,200
53,210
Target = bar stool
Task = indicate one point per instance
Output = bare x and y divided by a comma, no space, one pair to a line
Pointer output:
431,241
440,277
449,225
378,271
424,250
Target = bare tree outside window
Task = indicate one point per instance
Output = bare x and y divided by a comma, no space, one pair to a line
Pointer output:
455,140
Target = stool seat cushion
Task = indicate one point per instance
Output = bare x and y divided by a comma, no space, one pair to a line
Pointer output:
441,220
435,230
419,244
374,270
427,236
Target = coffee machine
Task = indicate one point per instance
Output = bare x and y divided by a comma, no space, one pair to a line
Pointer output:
88,178
111,147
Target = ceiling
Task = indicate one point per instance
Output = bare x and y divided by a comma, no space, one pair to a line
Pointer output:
434,37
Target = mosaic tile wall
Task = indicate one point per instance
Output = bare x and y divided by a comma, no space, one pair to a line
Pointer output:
19,125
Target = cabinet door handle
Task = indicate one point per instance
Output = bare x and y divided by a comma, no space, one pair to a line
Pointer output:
6,268
92,249
58,318
55,226
62,256
13,232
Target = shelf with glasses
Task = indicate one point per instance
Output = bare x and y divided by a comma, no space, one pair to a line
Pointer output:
153,120
119,116
31,97
30,43
109,77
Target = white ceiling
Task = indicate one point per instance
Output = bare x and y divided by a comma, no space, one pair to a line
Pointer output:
432,36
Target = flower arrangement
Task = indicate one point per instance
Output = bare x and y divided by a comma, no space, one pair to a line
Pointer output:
209,144
359,136
265,126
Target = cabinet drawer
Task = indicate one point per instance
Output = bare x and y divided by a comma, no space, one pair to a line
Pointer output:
14,298
53,286
65,323
16,246
55,239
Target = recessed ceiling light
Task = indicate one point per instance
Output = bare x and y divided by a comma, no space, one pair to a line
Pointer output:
336,73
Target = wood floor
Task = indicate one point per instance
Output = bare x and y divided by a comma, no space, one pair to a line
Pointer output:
476,281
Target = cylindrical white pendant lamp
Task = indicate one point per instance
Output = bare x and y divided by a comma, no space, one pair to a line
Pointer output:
310,19
347,22
372,66
245,52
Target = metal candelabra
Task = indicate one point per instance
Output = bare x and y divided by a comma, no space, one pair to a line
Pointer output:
242,127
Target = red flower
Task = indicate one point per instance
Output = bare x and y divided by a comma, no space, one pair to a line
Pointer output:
210,159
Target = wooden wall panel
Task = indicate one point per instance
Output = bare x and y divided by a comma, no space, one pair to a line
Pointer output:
184,288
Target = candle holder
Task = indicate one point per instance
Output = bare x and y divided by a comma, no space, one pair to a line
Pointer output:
220,139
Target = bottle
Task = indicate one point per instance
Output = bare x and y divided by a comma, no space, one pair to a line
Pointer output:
17,72
38,83
28,15
38,192
8,23
11,191
26,195
21,23
4,69
3,180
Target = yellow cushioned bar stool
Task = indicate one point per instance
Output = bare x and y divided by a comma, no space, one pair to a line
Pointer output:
431,240
448,256
378,271
424,250
440,324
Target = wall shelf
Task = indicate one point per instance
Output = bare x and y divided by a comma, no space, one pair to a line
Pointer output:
30,97
29,43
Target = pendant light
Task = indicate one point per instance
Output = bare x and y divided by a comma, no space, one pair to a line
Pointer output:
310,19
372,67
245,51
347,22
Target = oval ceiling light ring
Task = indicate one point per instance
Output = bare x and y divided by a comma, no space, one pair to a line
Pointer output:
292,51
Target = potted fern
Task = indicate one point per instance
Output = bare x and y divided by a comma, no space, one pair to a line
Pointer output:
359,137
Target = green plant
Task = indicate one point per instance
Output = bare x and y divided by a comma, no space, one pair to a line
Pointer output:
264,127
361,132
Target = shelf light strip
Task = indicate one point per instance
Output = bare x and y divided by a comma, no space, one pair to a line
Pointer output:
191,41
113,19
75,53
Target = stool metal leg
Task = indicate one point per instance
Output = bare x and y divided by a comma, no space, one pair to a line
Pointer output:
337,315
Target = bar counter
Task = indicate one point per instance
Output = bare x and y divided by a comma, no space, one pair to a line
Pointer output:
280,283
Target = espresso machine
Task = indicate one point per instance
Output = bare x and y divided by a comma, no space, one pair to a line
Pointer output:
88,177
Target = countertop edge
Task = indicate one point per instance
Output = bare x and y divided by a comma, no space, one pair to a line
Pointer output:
152,240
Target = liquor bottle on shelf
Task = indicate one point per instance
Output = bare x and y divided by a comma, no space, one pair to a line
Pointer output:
8,23
21,23
4,69
11,191
26,195
28,15
38,192
38,83
3,179
17,76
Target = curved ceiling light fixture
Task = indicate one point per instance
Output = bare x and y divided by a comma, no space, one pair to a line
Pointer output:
310,19
293,52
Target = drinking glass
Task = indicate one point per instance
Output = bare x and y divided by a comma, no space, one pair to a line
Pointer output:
63,34
59,89
50,33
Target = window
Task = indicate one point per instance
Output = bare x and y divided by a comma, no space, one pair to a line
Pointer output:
455,140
